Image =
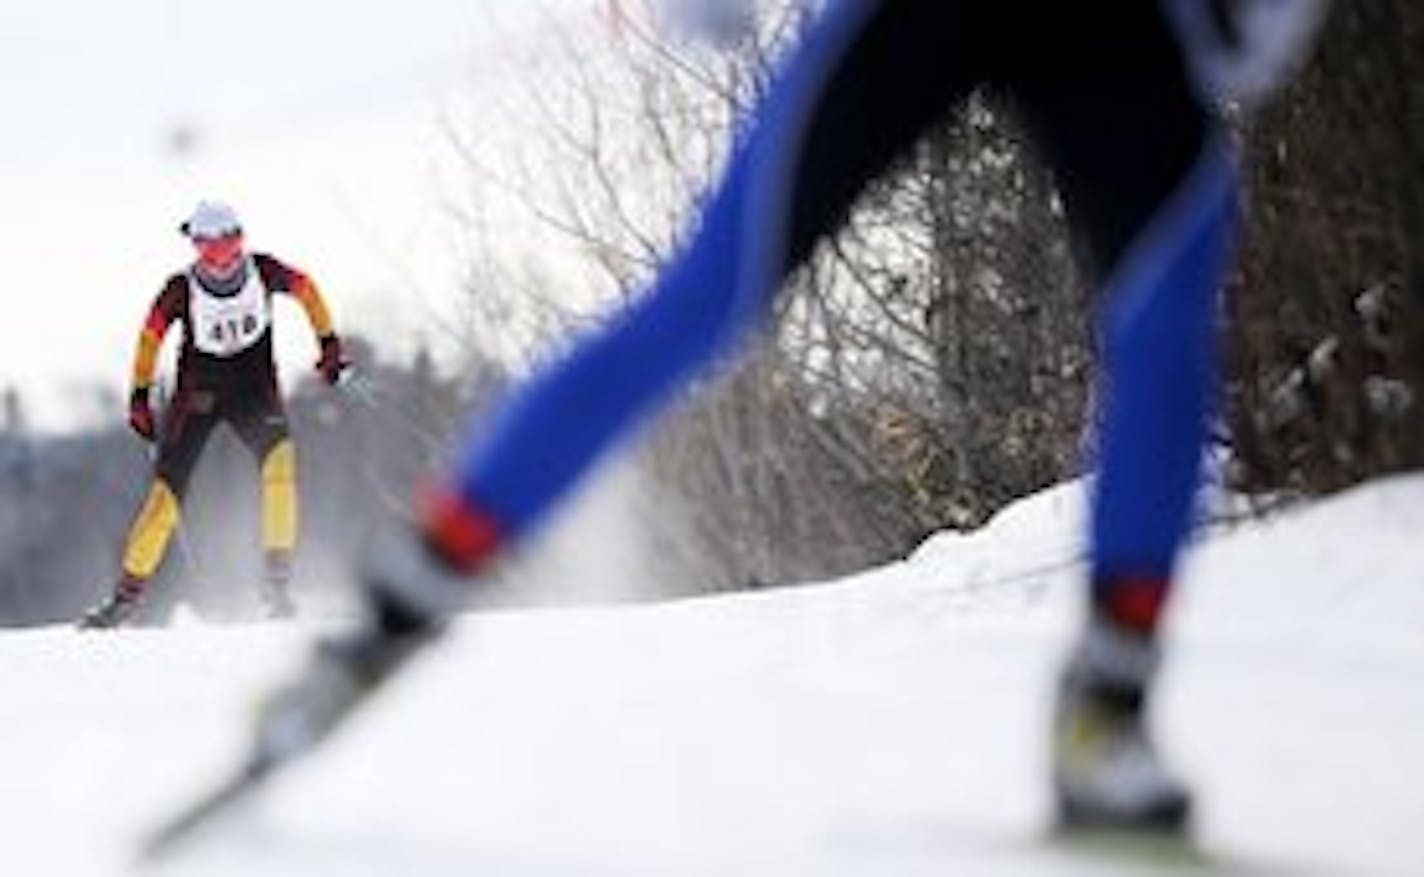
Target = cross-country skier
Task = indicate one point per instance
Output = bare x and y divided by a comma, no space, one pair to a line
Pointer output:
1119,95
226,373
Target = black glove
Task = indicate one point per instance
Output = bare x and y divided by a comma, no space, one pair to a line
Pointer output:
332,363
141,414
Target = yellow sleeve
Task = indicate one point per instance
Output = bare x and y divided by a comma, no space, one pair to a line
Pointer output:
150,337
305,291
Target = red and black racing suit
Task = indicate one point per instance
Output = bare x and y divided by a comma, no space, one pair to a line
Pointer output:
226,373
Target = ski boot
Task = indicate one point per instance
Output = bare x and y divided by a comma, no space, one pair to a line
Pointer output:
1107,774
340,674
116,609
275,590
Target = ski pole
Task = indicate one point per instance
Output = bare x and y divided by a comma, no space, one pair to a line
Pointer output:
360,388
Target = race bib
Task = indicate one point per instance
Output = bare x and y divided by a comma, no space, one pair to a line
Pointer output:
227,325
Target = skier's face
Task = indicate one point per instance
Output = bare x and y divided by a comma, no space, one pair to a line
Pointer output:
221,255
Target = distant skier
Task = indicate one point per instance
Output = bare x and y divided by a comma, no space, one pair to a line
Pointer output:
1119,96
226,373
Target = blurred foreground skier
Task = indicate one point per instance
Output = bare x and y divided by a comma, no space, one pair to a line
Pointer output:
226,373
1118,95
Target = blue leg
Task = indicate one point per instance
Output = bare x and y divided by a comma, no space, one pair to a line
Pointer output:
1159,337
557,425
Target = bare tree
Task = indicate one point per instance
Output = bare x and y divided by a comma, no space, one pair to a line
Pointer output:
927,365
1328,344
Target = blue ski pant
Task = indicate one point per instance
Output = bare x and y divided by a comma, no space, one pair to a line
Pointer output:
1146,178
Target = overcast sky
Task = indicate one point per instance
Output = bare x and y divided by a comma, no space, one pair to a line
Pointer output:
316,119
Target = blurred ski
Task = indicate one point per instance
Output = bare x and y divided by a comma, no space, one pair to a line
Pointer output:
224,798
341,675
1155,852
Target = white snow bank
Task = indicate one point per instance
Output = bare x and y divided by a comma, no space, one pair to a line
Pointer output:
888,723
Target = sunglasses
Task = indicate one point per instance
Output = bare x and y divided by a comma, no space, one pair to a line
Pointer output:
199,240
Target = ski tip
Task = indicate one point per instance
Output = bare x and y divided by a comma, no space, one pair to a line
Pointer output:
202,812
171,835
161,843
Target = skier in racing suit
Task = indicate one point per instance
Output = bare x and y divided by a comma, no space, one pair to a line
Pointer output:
225,373
1119,95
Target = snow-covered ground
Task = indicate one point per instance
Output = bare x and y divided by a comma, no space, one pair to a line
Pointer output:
891,723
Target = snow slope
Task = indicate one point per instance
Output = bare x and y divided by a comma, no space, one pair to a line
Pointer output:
890,723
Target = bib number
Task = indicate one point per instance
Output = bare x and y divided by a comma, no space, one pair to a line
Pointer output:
227,334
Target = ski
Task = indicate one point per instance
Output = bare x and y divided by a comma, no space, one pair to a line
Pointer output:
292,722
1161,848
1154,851
221,799
341,675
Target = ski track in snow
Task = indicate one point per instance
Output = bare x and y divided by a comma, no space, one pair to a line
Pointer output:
889,723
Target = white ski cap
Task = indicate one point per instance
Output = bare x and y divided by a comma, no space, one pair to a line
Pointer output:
211,219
